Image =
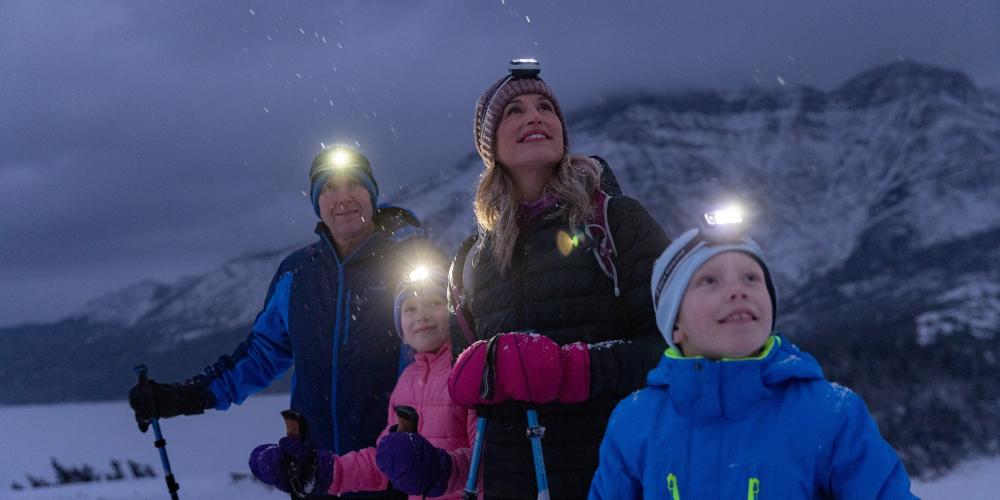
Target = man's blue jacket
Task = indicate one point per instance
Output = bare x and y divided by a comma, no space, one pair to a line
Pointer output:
332,319
767,427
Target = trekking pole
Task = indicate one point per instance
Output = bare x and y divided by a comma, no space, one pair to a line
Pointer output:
535,433
295,426
477,451
485,392
160,443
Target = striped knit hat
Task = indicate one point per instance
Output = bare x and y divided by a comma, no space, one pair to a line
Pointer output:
489,111
681,260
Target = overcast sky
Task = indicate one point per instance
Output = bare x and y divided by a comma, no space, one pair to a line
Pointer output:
158,139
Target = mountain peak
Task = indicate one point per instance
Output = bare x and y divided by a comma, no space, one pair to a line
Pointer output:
893,80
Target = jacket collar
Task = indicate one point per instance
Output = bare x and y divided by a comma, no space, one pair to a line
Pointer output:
392,225
431,358
701,387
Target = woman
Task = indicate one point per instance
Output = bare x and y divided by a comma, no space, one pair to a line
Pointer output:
533,269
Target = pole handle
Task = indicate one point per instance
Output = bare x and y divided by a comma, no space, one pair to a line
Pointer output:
407,418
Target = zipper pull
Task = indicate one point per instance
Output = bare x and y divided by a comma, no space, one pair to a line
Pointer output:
675,492
753,488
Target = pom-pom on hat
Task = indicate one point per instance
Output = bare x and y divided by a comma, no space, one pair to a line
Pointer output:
422,280
340,160
489,110
674,269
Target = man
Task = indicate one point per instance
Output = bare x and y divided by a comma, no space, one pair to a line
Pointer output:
328,312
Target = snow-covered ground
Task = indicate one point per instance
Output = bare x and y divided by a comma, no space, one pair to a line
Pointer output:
205,451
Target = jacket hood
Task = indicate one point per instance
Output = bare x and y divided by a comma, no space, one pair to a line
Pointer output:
701,387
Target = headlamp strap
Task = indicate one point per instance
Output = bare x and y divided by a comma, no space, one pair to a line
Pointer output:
675,261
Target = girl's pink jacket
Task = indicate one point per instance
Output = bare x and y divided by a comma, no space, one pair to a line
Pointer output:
424,386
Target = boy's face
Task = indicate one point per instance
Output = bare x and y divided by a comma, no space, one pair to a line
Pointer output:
726,312
424,319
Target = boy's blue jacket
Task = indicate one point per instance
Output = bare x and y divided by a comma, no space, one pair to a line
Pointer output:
767,427
332,319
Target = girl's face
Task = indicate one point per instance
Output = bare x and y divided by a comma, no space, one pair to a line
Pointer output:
530,135
726,312
424,319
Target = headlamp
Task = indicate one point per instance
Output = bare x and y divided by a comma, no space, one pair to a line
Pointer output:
723,225
339,158
419,274
524,68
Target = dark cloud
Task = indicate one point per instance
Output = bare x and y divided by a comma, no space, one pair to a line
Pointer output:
158,139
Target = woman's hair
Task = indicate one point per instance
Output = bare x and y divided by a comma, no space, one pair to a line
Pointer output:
496,205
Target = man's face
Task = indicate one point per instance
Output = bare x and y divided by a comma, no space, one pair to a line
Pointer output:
726,312
345,207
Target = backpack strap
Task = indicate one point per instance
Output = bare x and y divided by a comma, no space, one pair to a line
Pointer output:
599,234
459,276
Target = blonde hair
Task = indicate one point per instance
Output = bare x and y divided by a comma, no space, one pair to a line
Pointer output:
496,204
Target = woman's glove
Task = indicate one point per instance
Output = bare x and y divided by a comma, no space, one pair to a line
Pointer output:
151,400
293,466
526,366
413,465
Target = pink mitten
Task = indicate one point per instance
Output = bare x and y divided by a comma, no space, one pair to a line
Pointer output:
528,367
466,378
575,361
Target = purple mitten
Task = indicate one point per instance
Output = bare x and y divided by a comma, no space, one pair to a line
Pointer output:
266,464
413,464
293,465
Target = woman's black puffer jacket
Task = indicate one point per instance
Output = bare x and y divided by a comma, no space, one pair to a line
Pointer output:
569,299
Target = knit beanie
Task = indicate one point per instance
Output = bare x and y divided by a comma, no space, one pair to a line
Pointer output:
489,111
420,281
674,269
340,160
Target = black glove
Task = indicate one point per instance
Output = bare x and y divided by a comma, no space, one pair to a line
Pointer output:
152,400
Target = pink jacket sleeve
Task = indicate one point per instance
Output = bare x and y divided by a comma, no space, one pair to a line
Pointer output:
357,470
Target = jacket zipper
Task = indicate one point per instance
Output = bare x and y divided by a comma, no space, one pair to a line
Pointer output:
753,488
336,357
519,286
675,492
347,318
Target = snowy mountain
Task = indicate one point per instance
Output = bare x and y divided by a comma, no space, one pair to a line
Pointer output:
878,203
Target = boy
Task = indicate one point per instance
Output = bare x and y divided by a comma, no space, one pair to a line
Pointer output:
734,410
432,462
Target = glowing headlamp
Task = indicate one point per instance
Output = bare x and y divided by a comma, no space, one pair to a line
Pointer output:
341,158
338,158
419,274
723,225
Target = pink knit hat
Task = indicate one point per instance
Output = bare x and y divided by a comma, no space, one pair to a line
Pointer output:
489,110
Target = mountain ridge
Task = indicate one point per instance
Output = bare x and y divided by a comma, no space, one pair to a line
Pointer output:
867,198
